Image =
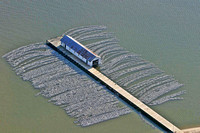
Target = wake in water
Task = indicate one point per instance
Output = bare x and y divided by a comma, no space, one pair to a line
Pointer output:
82,97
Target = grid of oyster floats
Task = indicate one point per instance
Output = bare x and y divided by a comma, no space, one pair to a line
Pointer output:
82,97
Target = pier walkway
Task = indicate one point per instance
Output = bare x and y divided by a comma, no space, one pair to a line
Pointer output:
154,116
192,130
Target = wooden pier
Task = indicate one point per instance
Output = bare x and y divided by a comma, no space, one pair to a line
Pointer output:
144,109
192,130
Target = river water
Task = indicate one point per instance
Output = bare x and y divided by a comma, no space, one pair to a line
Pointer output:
164,32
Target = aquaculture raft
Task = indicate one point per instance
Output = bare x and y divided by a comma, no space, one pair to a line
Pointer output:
54,43
84,98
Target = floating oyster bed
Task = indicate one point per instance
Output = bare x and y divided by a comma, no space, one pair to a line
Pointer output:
82,97
65,85
136,75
